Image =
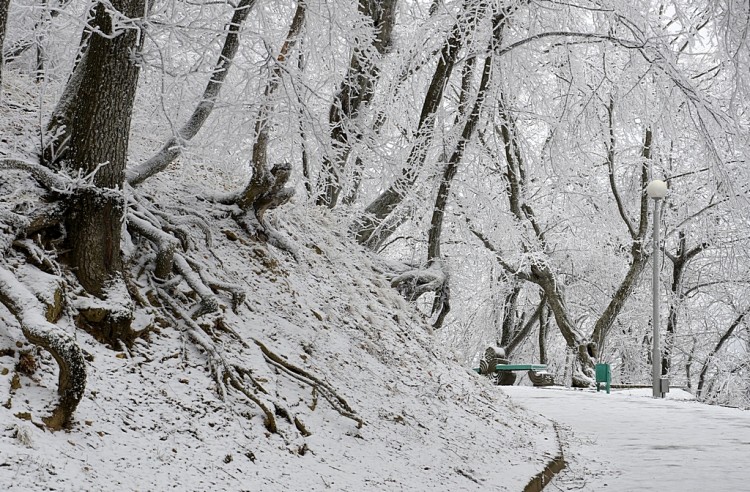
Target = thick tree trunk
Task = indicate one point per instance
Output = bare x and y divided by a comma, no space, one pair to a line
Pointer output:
89,133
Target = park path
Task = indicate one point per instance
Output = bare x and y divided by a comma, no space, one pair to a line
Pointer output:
627,441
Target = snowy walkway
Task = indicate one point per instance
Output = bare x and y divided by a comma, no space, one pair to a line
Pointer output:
628,441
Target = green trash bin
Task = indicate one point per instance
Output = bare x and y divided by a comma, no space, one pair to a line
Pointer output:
603,375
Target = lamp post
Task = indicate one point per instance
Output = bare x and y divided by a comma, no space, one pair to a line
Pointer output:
656,190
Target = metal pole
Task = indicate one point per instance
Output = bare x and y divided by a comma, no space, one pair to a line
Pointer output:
656,355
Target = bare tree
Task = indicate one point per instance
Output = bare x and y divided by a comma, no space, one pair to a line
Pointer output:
85,155
540,272
680,260
266,188
87,135
173,148
371,229
725,337
354,95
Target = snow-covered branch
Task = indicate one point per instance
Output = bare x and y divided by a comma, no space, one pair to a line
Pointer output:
29,313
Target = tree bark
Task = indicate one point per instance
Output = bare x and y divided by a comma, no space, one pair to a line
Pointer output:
510,304
88,133
522,330
543,330
4,7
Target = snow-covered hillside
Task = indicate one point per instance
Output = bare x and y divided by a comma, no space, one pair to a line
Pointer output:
152,417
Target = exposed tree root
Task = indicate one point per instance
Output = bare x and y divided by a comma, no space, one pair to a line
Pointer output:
413,282
204,287
418,281
164,276
323,388
166,244
222,370
108,318
38,256
68,355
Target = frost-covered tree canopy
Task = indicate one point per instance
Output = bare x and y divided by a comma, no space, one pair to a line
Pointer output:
254,189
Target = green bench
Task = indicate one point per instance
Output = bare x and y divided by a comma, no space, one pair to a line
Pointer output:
537,373
517,367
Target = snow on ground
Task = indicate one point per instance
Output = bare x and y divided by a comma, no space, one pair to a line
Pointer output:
151,418
628,441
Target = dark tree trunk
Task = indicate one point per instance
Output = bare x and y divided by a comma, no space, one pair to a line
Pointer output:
89,133
523,327
543,330
4,7
510,304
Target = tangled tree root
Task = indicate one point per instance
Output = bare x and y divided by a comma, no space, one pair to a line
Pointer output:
161,276
176,272
321,387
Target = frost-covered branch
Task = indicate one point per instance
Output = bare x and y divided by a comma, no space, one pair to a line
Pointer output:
514,271
173,148
44,175
610,145
724,338
381,207
354,95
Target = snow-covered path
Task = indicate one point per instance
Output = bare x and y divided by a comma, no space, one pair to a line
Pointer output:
628,441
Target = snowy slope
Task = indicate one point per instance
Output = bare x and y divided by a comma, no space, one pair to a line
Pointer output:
152,418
